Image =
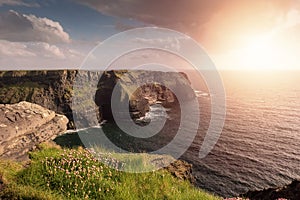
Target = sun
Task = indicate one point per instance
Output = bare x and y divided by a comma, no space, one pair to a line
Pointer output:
268,51
260,53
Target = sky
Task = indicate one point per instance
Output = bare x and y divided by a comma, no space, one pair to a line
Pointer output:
247,34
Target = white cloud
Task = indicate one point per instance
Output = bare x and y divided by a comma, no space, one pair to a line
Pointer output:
31,42
31,49
18,27
34,55
46,50
14,49
17,3
168,42
291,19
217,25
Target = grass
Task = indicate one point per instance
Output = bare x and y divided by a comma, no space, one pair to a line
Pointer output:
131,162
56,173
22,92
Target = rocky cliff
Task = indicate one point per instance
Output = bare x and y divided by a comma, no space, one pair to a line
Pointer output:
54,90
182,170
24,125
145,87
50,89
291,192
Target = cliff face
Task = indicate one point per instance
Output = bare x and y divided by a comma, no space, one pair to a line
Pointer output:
145,87
54,90
50,89
291,192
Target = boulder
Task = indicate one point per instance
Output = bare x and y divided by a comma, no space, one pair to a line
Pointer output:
24,125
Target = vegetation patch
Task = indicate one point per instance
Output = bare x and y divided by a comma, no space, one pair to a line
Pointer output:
56,173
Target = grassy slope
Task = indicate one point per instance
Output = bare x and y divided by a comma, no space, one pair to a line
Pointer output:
74,174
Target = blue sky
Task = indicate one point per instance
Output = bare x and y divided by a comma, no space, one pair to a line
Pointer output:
258,34
85,27
80,21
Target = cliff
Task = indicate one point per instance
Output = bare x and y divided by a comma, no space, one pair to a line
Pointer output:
146,87
50,89
24,125
290,191
54,90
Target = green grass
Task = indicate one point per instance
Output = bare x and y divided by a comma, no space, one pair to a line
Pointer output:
132,162
56,173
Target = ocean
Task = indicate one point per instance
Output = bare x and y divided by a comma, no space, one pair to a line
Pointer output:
260,143
259,146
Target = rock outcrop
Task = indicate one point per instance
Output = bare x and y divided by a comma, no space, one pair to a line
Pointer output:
291,192
182,170
145,87
24,125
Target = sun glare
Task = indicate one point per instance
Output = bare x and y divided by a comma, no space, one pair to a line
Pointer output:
264,52
260,53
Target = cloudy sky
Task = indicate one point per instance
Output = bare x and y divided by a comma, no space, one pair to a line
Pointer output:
248,34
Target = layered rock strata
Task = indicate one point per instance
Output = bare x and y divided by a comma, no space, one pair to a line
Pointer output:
24,125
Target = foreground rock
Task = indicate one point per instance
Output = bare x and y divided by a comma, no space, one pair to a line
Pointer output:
24,125
291,192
